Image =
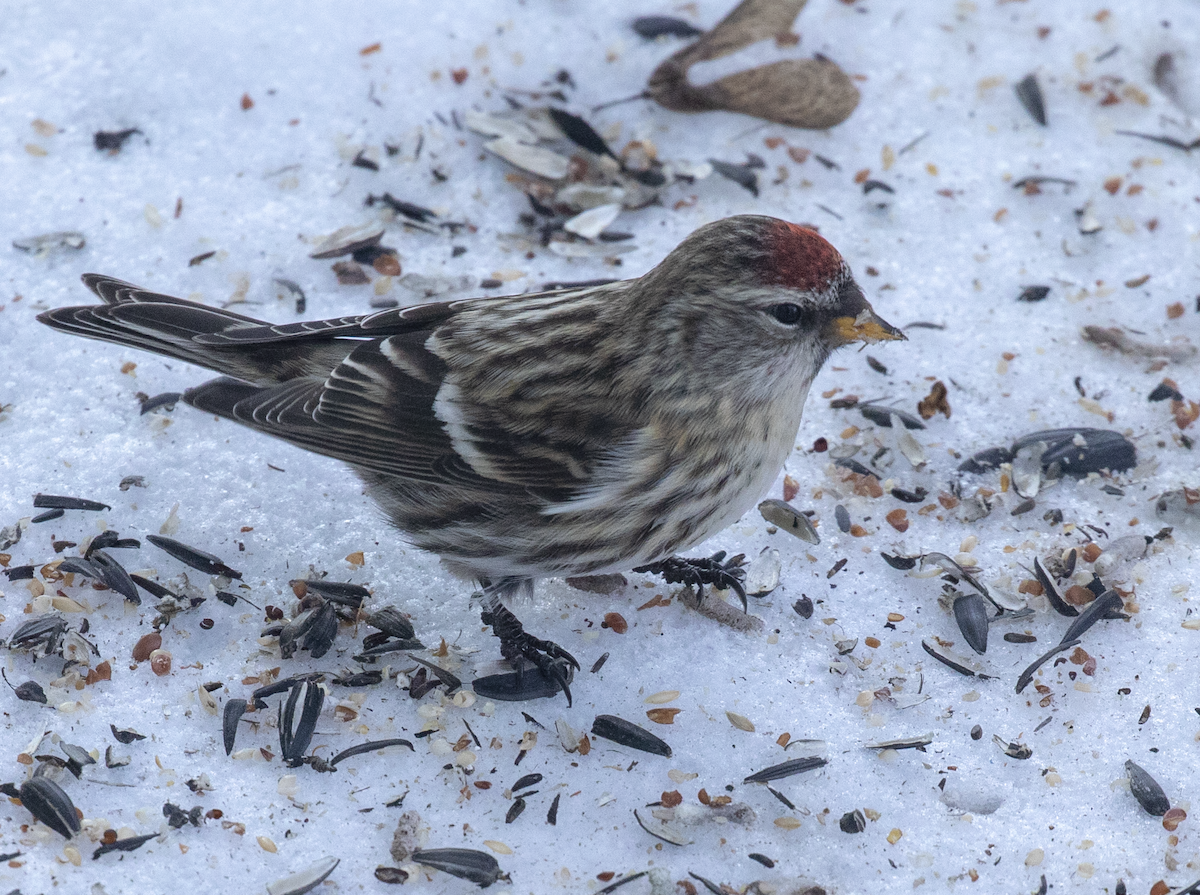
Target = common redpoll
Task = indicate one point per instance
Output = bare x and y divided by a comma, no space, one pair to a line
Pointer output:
572,432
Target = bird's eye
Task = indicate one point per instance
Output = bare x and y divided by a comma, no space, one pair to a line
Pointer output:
786,313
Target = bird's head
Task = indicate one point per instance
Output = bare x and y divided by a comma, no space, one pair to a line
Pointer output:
758,299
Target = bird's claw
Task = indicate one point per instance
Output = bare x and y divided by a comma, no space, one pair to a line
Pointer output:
554,662
715,571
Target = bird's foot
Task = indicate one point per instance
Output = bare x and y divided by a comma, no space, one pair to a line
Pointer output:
715,571
554,662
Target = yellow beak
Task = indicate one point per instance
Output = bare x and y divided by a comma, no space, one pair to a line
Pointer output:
856,320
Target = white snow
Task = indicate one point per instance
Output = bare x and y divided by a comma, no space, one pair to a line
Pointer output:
955,244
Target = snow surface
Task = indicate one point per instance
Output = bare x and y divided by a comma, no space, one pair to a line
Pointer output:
258,186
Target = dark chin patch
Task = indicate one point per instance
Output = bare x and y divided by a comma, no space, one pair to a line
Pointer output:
801,259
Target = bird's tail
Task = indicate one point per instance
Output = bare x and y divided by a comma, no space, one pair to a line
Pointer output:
169,326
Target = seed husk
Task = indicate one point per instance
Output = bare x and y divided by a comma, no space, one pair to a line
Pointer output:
789,519
372,746
153,588
465,863
22,573
917,742
1019,751
125,736
451,680
339,591
282,685
130,843
787,769
391,875
852,822
882,416
295,736
660,829
373,652
626,733
234,709
49,242
1102,607
114,575
359,679
902,563
952,661
518,686
1027,675
389,620
1061,606
304,881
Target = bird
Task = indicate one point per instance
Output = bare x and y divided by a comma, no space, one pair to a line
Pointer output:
571,432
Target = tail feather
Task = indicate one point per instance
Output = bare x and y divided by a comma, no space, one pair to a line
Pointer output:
118,292
136,318
97,322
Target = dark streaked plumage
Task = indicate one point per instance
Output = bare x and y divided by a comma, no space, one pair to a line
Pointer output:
559,433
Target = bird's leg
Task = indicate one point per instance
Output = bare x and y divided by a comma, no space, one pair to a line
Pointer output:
515,642
715,571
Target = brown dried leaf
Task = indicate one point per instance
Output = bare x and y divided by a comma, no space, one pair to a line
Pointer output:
1186,413
934,402
809,93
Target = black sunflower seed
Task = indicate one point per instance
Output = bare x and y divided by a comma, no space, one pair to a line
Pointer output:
970,612
234,709
47,802
1146,790
626,733
190,556
58,502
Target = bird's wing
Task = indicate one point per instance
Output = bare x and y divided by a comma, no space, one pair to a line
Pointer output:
374,410
460,393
